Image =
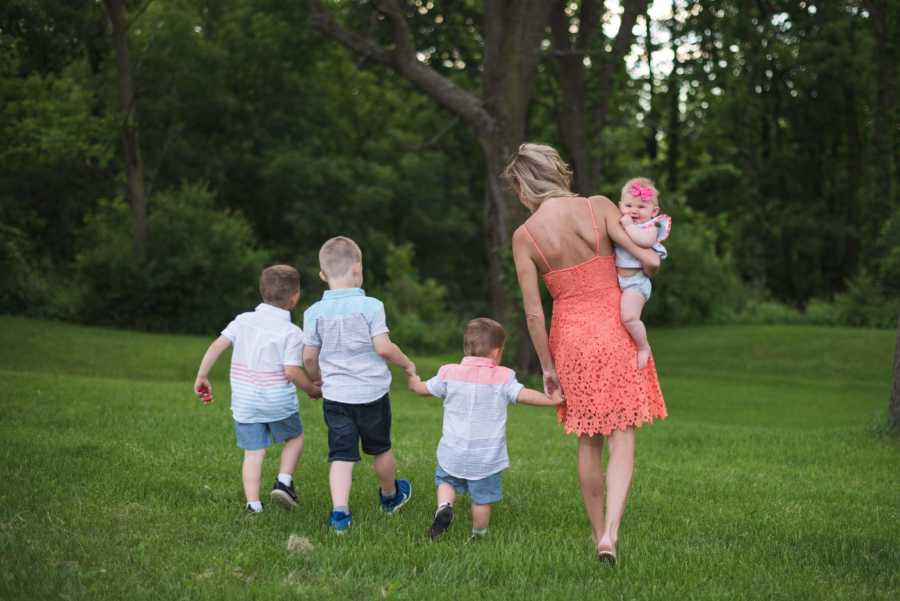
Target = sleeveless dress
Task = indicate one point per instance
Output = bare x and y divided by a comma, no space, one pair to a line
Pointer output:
593,353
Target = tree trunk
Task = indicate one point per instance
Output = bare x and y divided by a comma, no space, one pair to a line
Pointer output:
134,167
652,118
894,407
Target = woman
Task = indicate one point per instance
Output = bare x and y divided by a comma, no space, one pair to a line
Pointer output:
568,240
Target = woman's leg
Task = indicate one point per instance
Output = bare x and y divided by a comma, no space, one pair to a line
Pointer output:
618,481
590,475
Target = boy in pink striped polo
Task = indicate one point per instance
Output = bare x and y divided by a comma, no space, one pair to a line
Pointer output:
265,368
472,452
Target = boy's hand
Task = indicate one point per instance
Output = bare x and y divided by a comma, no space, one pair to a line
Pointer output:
203,389
316,392
413,381
557,397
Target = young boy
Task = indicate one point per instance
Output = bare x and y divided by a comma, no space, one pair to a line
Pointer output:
347,347
265,367
472,452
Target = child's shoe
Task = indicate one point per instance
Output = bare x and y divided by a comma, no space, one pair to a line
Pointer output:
284,495
477,535
253,510
340,521
400,498
441,523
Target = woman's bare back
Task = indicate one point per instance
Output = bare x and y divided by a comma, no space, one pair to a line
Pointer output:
564,231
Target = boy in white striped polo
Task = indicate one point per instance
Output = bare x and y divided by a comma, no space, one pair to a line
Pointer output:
265,368
472,452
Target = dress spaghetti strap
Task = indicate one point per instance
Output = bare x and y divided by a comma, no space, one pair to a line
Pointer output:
537,248
590,209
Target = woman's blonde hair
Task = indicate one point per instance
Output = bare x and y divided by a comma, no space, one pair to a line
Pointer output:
537,173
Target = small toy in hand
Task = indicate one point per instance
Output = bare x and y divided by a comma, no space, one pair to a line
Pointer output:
205,394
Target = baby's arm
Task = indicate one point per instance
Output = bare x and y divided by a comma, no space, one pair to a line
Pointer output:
645,237
298,378
218,346
416,384
527,396
391,353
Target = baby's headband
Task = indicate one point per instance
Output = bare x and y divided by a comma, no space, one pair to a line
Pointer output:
640,191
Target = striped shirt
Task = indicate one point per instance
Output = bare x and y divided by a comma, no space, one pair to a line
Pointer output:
476,394
342,325
265,341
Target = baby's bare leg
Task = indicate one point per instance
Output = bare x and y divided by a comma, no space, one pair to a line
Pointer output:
632,305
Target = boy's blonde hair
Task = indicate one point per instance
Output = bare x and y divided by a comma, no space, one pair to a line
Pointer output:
537,173
482,336
277,284
338,255
640,187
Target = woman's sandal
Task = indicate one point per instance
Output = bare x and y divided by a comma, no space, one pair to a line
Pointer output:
607,555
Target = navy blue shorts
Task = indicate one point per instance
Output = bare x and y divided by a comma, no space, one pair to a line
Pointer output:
252,437
348,424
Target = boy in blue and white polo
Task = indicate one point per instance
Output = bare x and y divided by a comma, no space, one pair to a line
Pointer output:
347,347
265,367
472,452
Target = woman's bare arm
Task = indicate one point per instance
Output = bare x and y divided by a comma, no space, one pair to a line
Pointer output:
527,274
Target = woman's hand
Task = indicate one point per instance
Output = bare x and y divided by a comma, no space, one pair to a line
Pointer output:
551,383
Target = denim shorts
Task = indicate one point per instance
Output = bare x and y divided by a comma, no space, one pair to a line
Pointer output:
348,424
638,282
252,437
483,492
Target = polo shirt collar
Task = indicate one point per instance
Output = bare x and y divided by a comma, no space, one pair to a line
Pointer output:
478,362
343,293
274,311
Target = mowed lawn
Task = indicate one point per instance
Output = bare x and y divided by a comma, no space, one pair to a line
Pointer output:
771,479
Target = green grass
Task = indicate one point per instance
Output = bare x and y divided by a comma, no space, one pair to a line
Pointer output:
771,479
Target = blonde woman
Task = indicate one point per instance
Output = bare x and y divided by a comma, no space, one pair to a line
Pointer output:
568,240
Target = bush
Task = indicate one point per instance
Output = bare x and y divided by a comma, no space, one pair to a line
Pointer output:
201,266
698,282
416,309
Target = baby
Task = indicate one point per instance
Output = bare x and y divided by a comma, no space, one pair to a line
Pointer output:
639,204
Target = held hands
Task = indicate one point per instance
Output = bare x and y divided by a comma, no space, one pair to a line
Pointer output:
413,381
203,389
315,390
552,387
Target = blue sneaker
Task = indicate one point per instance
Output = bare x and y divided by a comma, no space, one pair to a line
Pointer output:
404,492
340,521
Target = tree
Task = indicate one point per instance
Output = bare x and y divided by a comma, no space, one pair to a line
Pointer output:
512,33
581,126
134,167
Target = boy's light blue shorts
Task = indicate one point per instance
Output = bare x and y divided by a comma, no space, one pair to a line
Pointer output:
638,282
252,437
483,492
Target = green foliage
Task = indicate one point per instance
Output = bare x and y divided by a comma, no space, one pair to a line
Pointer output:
698,282
416,309
201,267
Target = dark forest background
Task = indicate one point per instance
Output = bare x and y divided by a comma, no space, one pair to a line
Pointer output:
155,155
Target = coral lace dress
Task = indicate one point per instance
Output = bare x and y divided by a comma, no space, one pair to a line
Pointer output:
593,353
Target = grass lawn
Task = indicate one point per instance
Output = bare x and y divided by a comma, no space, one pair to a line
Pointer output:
771,479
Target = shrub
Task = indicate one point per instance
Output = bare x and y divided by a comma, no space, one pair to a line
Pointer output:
201,265
416,309
698,282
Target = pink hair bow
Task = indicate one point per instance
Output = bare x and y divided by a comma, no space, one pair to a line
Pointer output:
643,192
